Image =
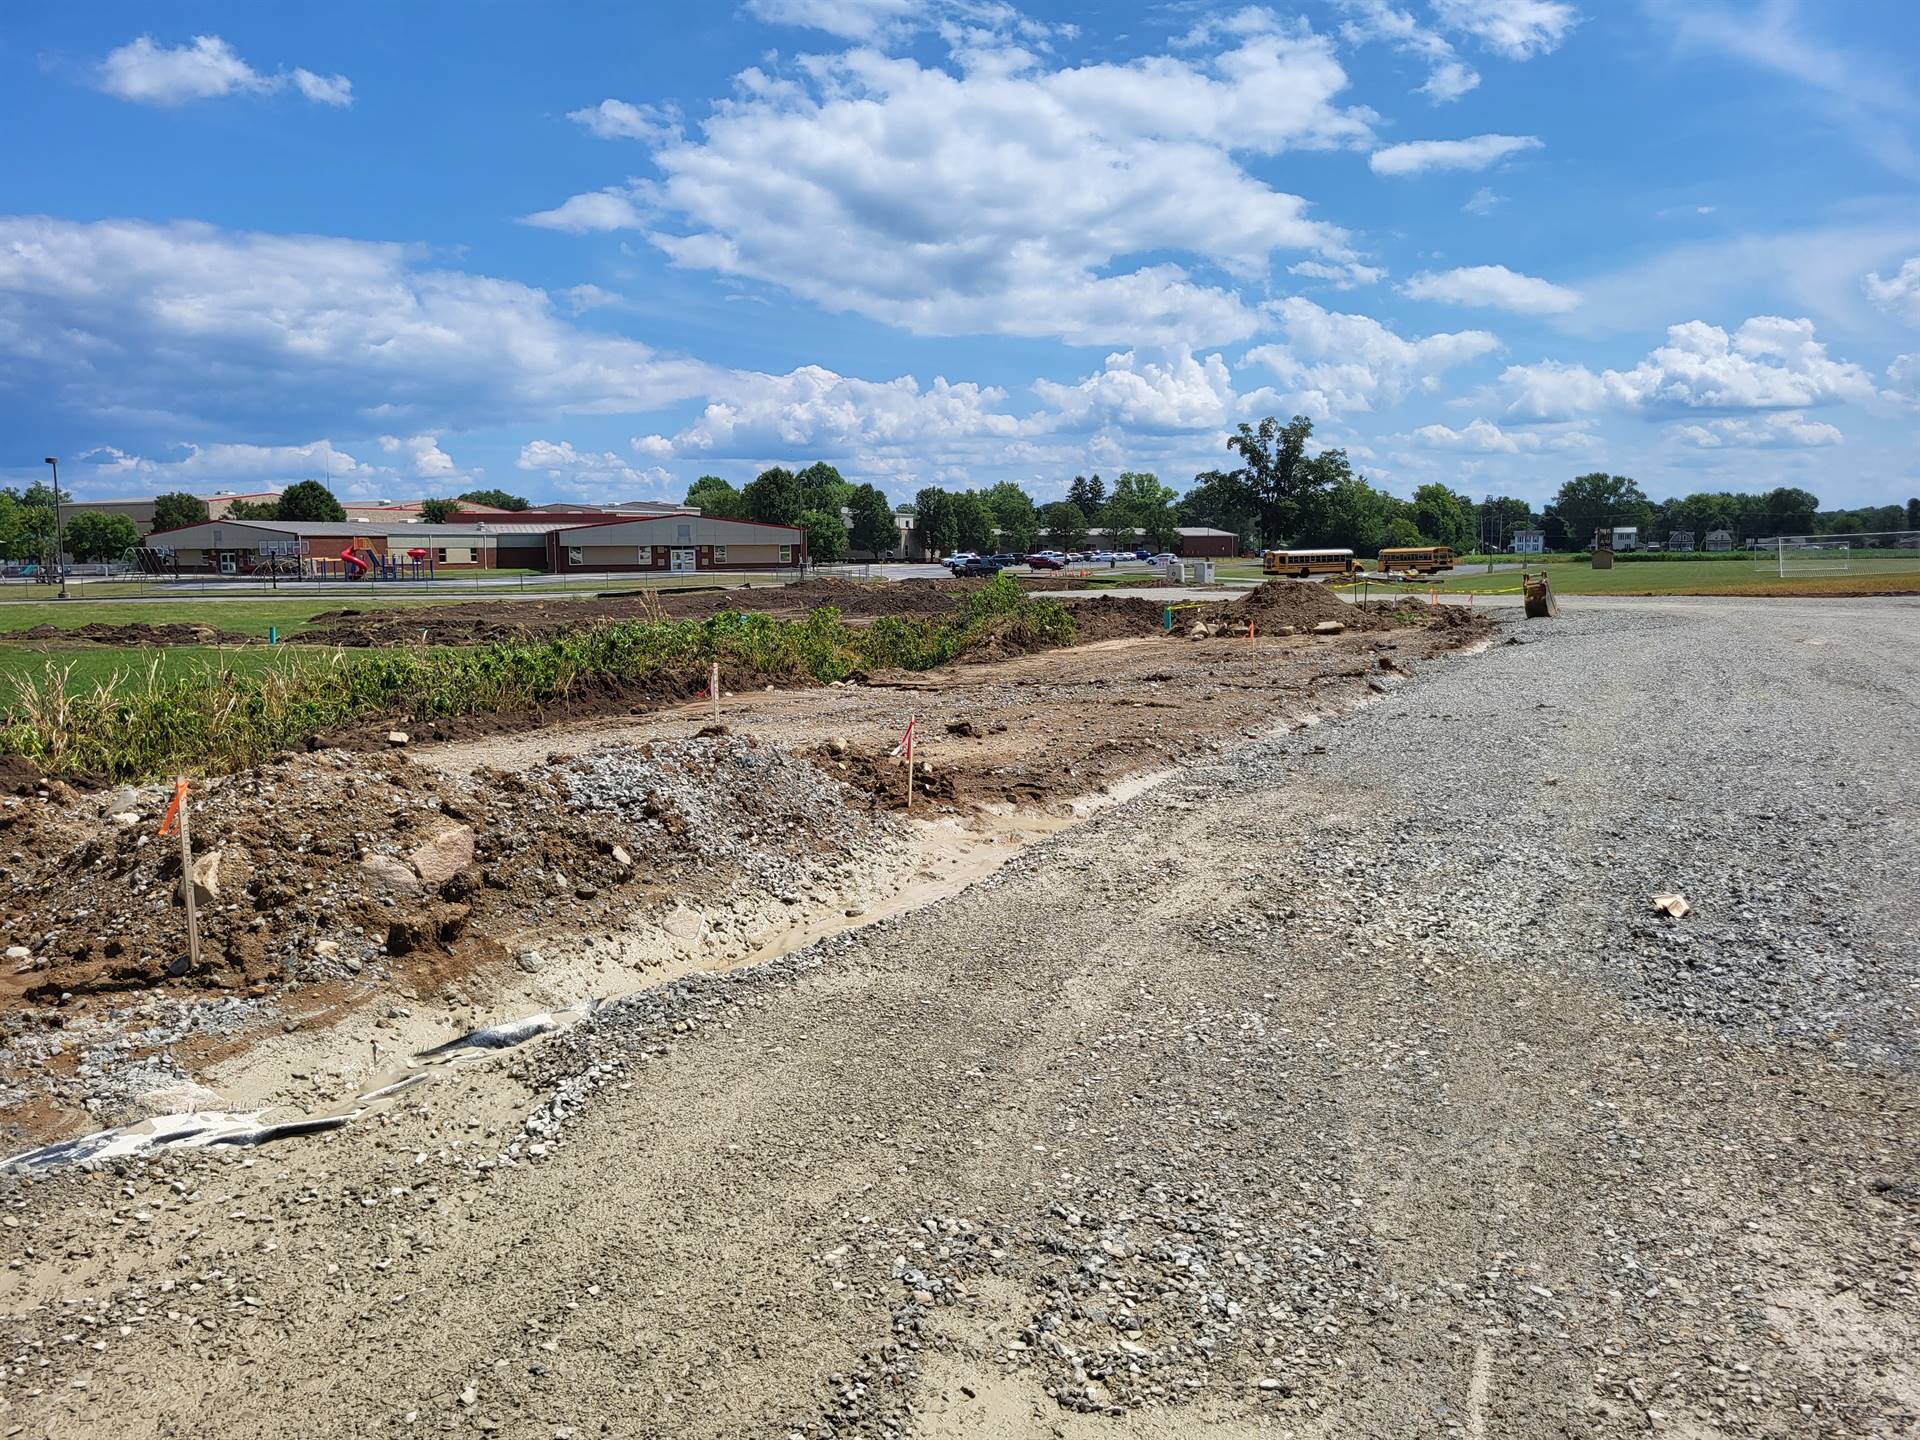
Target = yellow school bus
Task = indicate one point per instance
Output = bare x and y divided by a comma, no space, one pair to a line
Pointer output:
1416,559
1309,562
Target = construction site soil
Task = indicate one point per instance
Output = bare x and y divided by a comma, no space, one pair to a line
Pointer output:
134,633
337,884
1104,616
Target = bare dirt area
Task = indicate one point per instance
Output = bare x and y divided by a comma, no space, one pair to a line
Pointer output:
443,881
133,633
479,622
1344,1083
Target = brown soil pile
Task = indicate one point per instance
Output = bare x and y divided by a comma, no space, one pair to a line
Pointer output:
1303,605
332,865
483,622
138,633
1115,617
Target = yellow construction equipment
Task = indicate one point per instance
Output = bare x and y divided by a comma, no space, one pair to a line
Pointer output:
1537,592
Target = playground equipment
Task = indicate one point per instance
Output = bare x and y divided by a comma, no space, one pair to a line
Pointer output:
355,566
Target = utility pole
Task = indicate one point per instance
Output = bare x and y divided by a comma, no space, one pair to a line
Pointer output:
59,560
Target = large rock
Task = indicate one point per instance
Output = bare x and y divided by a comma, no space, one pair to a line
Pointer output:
206,877
445,854
1329,627
389,875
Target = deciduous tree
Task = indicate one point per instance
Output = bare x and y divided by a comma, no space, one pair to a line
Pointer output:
1066,524
1589,503
716,497
499,499
308,500
95,535
1016,515
1274,469
874,528
826,536
773,497
172,511
973,523
934,519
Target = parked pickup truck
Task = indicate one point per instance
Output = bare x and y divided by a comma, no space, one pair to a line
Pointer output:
981,565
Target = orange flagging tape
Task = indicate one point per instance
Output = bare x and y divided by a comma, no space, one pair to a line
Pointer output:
172,817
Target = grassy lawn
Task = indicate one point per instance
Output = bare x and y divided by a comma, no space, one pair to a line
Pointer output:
255,616
90,665
1738,576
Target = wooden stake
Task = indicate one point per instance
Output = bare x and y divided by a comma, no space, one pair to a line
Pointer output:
713,688
186,881
911,728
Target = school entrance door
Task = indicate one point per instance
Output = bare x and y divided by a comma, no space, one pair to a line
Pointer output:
684,562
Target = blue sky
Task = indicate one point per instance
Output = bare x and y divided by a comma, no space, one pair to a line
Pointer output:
595,250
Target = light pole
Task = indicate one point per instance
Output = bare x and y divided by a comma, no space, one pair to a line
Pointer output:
59,560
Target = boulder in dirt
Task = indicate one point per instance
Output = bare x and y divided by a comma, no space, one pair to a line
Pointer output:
124,801
443,855
206,877
398,737
1329,627
389,875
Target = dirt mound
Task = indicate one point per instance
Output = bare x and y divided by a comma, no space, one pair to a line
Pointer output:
138,633
1286,602
483,622
1114,617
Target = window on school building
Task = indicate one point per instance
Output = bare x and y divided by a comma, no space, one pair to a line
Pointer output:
576,555
719,554
786,554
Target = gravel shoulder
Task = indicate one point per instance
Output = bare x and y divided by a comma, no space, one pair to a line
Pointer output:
1341,1085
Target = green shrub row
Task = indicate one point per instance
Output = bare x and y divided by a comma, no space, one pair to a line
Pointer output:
138,726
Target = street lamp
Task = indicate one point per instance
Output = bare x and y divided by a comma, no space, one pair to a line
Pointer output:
59,560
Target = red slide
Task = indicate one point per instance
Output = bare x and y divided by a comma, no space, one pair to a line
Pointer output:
360,567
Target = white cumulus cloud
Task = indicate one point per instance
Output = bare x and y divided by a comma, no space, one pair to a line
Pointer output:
622,120
1785,430
1000,195
201,469
1483,437
1181,393
1344,276
595,475
1334,364
1477,152
849,19
1899,292
422,455
1769,363
1494,286
192,328
1517,29
206,69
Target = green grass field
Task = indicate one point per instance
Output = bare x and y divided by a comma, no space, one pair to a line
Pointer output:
88,666
1869,575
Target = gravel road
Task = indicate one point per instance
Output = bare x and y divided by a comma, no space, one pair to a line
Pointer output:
1344,1086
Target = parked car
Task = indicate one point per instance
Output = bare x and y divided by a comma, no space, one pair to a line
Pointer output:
1165,557
981,565
955,561
1143,554
1045,562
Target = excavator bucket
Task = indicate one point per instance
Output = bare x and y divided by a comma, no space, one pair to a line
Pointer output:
1537,592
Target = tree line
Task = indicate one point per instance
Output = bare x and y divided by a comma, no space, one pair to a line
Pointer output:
1278,496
